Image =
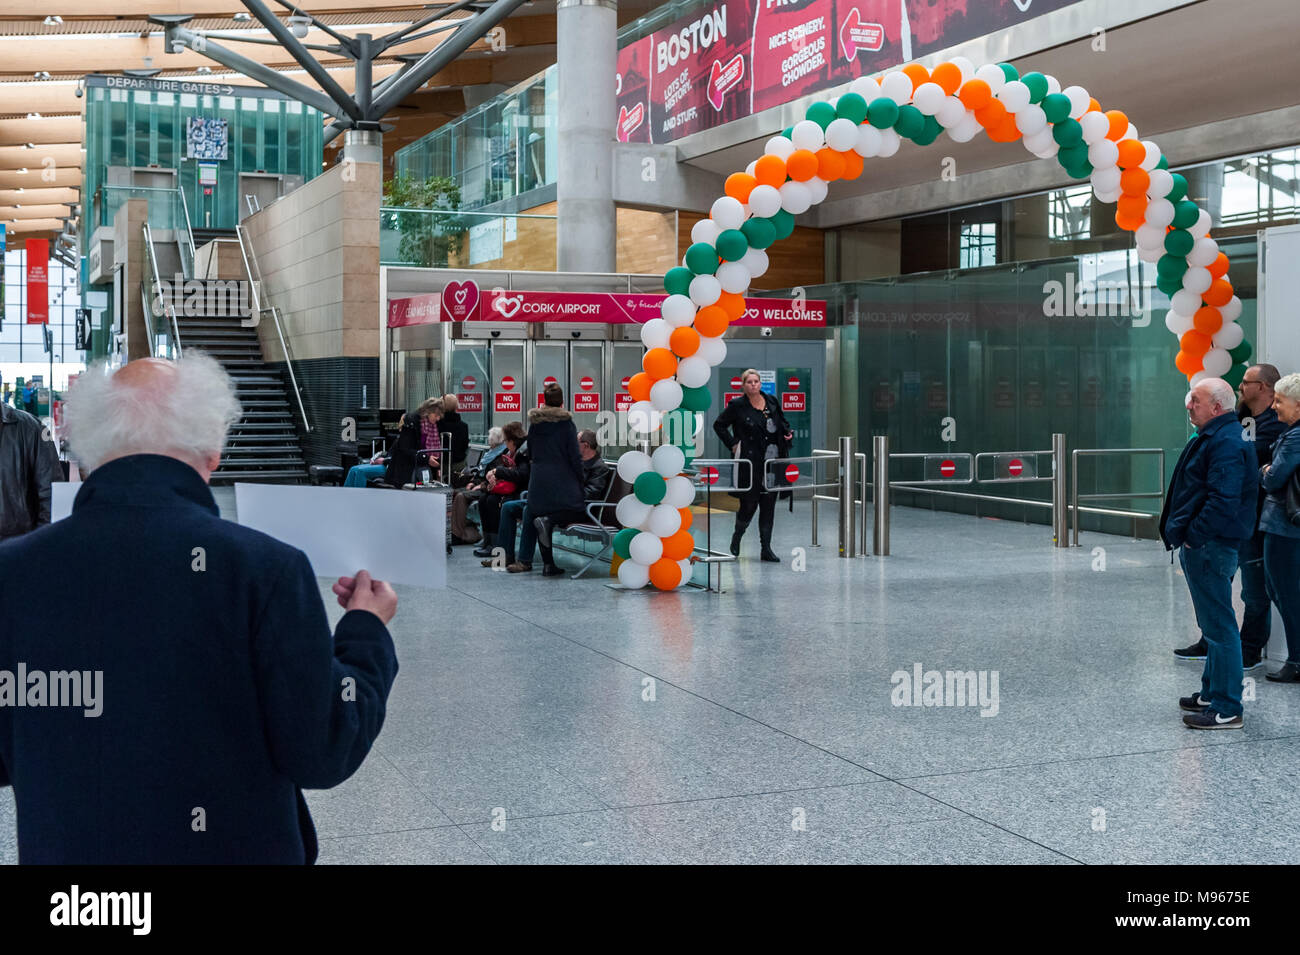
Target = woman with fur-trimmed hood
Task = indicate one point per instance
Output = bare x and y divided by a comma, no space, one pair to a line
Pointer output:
555,486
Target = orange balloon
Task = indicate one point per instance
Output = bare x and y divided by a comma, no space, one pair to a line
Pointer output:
853,164
1135,181
948,76
679,546
684,341
733,303
711,321
1131,153
1130,206
1219,293
687,517
1094,106
991,114
1188,364
975,94
1005,130
770,171
830,165
638,386
917,73
665,574
739,185
1118,124
659,363
801,165
1195,343
1207,319
1129,223
1219,267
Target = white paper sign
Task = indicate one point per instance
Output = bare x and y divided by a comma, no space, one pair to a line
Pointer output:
64,494
398,536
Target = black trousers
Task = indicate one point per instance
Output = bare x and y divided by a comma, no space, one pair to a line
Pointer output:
765,504
558,519
489,512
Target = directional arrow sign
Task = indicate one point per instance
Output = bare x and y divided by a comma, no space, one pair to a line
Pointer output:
628,121
857,34
723,78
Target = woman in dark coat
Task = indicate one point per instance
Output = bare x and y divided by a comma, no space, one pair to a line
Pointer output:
557,480
753,427
512,470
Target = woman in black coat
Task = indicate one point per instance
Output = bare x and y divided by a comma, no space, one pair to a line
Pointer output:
754,428
557,481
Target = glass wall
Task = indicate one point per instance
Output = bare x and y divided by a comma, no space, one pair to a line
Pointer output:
22,347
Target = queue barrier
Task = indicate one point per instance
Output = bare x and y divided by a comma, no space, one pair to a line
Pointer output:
707,473
1076,497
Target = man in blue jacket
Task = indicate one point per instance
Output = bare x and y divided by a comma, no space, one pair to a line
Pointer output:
168,681
1209,511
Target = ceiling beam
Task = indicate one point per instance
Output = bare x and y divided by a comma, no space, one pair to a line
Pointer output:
94,9
66,155
56,129
38,197
40,97
65,176
32,212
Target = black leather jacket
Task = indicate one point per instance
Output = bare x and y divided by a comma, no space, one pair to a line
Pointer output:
28,466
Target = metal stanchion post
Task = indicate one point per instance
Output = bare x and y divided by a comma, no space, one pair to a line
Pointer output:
814,518
880,482
863,481
1059,515
846,497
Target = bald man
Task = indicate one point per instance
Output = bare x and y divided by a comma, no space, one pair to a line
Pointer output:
454,424
171,706
1209,512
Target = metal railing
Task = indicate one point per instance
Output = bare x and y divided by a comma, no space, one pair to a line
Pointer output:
254,273
857,530
151,292
188,268
1076,497
701,471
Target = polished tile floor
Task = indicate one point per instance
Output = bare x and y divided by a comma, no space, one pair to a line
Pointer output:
550,720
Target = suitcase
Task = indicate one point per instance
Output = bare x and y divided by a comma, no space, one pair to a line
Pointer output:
438,488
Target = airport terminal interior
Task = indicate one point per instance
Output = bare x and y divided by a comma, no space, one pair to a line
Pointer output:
894,323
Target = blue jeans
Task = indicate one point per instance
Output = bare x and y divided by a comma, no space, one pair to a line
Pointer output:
1208,570
1282,565
514,513
1257,620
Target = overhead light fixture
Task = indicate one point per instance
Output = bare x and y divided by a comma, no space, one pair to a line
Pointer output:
33,115
203,70
242,16
23,171
299,25
30,146
53,21
42,75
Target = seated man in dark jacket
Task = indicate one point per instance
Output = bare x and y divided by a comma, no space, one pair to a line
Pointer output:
1209,511
200,689
28,466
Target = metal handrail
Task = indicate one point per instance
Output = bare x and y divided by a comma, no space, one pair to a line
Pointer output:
167,308
913,455
189,232
254,273
1076,497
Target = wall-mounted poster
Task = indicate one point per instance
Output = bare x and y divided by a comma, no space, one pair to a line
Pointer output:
206,138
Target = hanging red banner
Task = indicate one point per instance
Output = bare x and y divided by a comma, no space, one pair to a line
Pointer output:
38,281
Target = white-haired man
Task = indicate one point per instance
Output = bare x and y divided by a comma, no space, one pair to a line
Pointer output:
1209,511
209,692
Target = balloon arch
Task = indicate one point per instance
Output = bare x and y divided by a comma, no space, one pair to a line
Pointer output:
707,292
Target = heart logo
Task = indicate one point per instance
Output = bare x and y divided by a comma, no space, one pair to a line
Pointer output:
460,296
460,301
508,306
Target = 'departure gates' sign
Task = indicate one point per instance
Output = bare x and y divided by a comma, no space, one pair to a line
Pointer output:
737,57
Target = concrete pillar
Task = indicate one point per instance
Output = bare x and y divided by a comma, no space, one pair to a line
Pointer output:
586,33
363,145
129,255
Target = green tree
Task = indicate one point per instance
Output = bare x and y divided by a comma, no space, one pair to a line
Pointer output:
428,239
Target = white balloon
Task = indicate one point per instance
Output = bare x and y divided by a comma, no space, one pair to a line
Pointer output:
1152,156
1201,228
841,134
728,212
693,372
890,141
765,201
665,521
865,87
666,395
1095,127
632,465
655,333
688,571
807,135
1216,362
668,460
678,310
1031,119
712,350
992,74
1204,252
1131,133
1053,84
1106,178
965,65
1229,335
749,170
1162,181
1150,255
1180,325
1079,100
817,189
1197,378
868,142
795,197
733,277
1232,311
1160,212
755,262
629,511
1039,141
705,290
951,112
779,146
646,548
680,492
897,86
1108,196
633,575
1103,154
928,98
643,418
1184,302
1014,96
1198,280
964,131
706,231
1150,237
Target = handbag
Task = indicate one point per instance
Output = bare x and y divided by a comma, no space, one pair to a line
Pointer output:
1293,497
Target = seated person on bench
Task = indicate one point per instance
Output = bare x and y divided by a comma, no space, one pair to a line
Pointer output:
462,530
504,481
418,432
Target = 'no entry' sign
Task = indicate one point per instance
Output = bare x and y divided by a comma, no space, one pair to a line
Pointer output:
947,467
507,383
1015,466
587,383
736,383
791,473
709,474
468,383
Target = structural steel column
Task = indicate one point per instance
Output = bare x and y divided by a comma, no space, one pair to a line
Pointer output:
586,35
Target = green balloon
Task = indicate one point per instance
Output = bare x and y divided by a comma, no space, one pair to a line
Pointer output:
932,127
1072,157
821,113
649,487
1081,171
1186,213
1178,191
678,281
1179,243
910,122
1068,132
1037,84
1242,352
783,222
1163,163
732,245
882,113
852,107
925,137
1057,107
759,233
696,399
787,132
702,258
623,542
1168,284
1235,374
1173,266
1009,71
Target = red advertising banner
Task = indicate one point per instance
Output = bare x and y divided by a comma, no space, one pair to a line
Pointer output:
38,281
738,57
